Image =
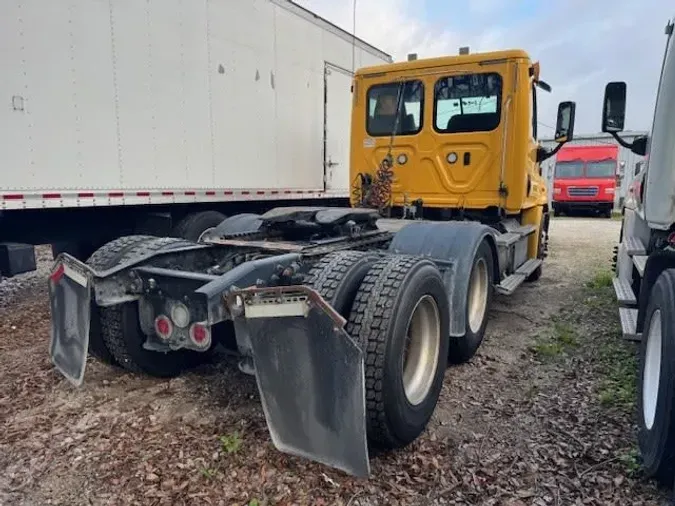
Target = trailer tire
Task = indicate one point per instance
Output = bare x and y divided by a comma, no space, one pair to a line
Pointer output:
479,297
656,389
397,292
104,258
338,276
194,226
121,331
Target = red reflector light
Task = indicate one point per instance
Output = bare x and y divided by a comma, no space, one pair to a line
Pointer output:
163,326
57,273
200,335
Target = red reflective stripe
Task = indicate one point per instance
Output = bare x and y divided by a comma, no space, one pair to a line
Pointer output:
299,191
115,194
13,197
51,195
167,194
142,194
228,193
210,193
245,192
189,193
275,192
86,195
287,192
260,192
57,274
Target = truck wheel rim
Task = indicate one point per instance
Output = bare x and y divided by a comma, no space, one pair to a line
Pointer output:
478,295
423,342
652,371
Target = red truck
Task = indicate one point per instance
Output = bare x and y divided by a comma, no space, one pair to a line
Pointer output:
585,179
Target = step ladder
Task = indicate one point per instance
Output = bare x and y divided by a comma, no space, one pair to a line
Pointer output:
627,299
514,234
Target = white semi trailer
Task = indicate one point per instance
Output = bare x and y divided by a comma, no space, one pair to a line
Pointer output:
164,116
645,268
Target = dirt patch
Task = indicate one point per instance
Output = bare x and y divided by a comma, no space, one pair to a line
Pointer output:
534,418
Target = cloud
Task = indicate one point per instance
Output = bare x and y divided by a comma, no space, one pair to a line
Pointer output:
581,45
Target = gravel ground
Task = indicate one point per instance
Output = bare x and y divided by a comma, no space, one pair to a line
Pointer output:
540,416
10,288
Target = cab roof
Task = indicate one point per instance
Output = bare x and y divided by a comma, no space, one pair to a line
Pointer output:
424,63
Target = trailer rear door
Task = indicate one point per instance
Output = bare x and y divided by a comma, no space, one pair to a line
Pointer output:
337,121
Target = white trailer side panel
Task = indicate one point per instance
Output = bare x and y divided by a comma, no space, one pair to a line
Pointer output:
122,102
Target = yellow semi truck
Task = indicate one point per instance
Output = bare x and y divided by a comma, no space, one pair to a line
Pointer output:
349,316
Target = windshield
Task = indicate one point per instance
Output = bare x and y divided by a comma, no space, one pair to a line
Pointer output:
601,169
569,169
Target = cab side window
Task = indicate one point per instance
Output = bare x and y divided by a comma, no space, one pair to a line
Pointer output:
396,106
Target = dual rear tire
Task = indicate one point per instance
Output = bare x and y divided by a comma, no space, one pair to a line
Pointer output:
397,311
115,335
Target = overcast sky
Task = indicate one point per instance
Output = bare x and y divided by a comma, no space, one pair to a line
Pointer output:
581,44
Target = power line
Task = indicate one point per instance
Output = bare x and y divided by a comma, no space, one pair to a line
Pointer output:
353,36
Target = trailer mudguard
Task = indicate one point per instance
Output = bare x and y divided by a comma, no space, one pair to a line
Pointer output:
310,375
453,246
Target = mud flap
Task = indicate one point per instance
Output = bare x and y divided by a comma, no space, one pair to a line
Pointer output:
310,375
70,300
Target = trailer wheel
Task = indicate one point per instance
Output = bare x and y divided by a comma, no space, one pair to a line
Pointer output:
107,257
656,391
337,277
401,319
194,226
122,334
479,297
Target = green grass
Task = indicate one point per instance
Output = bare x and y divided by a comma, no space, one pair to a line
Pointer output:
231,443
602,279
208,472
630,460
619,367
557,340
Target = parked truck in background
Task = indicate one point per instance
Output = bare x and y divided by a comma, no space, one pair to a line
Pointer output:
163,117
347,319
645,267
585,179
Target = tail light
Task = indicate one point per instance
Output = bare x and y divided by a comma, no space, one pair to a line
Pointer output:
163,327
200,335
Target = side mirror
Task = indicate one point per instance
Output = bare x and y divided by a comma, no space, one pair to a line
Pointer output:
614,107
564,127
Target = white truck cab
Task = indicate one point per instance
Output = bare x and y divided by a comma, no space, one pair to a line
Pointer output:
645,267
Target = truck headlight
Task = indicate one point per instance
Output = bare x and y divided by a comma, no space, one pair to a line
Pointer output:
609,190
556,190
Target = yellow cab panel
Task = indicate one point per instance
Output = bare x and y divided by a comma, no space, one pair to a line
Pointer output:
464,135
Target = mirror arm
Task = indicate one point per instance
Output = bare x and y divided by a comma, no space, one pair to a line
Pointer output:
621,141
638,146
544,154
